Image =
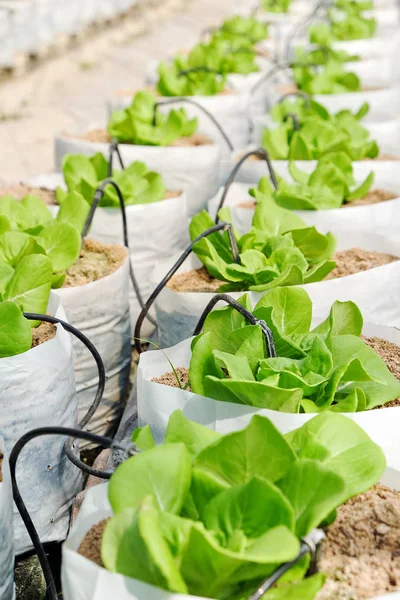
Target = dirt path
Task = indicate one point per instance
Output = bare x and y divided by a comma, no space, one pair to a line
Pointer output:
70,91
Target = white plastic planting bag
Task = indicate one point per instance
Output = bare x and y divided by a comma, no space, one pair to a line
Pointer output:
179,312
38,390
6,531
100,310
154,230
194,169
383,217
156,402
82,579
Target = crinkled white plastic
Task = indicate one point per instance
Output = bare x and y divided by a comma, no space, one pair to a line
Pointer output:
6,531
194,169
157,402
100,310
37,390
382,217
82,579
154,230
179,312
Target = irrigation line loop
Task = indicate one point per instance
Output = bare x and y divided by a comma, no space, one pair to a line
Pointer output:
269,336
204,110
69,450
259,153
296,94
295,120
98,195
235,253
51,591
114,149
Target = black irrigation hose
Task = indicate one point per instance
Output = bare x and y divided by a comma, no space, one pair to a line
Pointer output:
51,592
269,336
267,76
302,25
99,193
295,119
235,252
309,544
260,153
99,392
299,94
114,149
205,111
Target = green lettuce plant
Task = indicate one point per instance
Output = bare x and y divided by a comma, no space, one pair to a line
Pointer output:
177,79
322,55
137,183
29,228
241,31
329,186
319,132
135,125
353,27
325,368
276,6
213,515
331,78
279,250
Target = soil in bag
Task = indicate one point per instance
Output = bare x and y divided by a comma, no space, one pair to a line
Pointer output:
1,467
91,544
19,190
348,262
101,135
95,262
361,551
43,333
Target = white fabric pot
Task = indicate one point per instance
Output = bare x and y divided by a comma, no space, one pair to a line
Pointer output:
382,217
6,532
195,170
100,310
154,230
179,312
156,402
38,389
82,579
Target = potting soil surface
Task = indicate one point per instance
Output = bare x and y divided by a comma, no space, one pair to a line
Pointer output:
19,190
170,380
361,552
101,135
355,260
43,333
96,261
91,544
390,353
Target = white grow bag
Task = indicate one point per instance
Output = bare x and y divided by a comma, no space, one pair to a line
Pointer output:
383,217
82,579
6,531
156,402
179,312
100,310
195,170
154,230
38,390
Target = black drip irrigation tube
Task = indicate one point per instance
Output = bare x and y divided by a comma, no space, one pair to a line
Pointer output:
298,94
309,544
235,252
51,592
69,444
186,100
114,149
259,153
295,120
322,4
269,336
98,195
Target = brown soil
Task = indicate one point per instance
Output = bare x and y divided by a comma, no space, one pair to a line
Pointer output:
247,204
383,157
91,544
355,260
170,380
101,135
20,190
390,353
197,280
361,552
43,333
1,465
95,262
153,90
172,194
373,197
